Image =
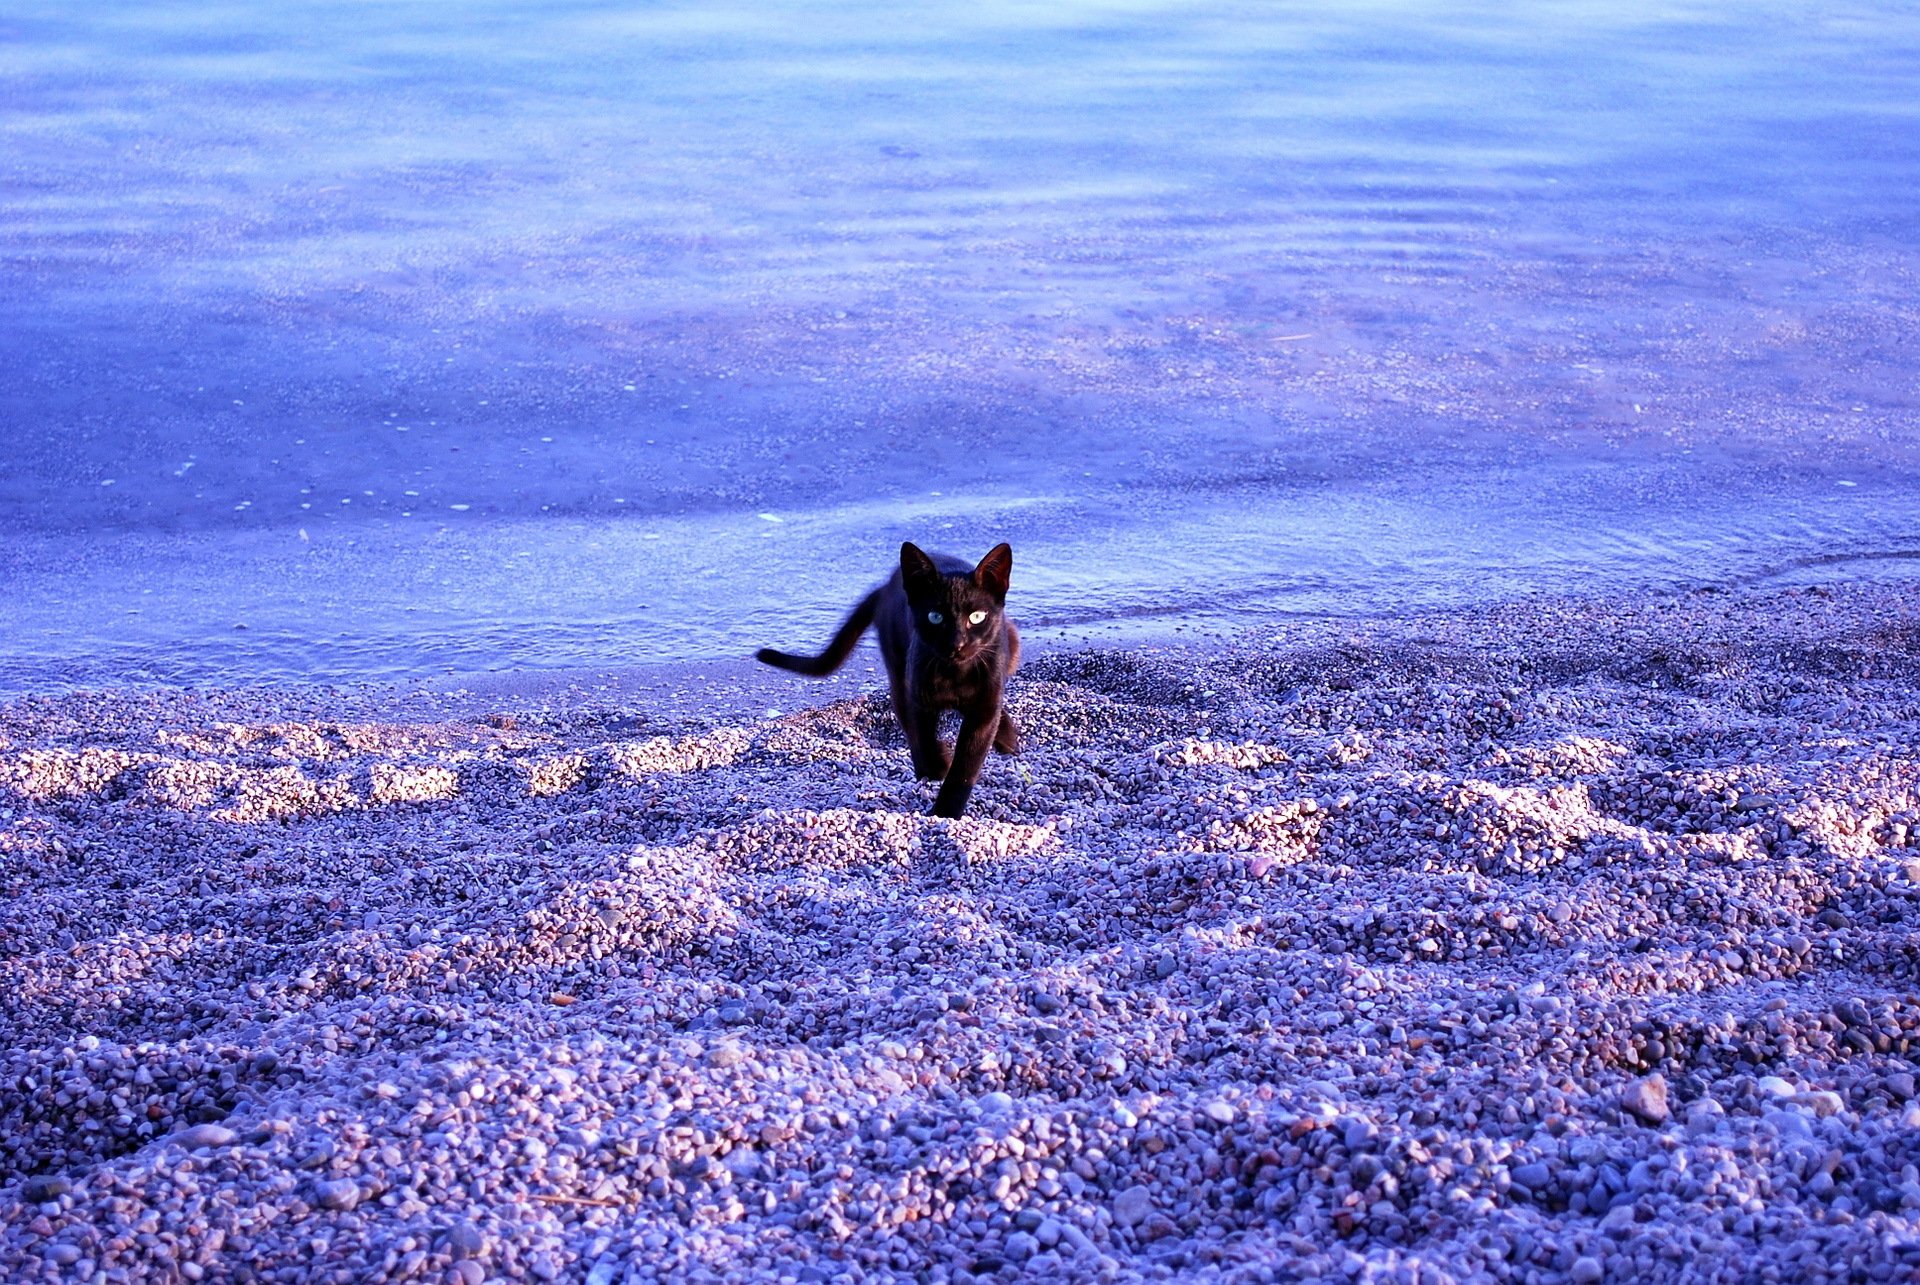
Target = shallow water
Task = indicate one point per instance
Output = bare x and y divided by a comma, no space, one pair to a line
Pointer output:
370,341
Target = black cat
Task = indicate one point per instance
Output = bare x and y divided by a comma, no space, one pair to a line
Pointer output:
948,645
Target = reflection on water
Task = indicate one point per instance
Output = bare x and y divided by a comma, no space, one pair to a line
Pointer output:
395,331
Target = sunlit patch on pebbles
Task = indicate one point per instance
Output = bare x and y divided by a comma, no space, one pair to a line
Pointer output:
40,775
662,754
1243,756
1566,756
659,899
837,839
1280,834
412,783
554,774
980,842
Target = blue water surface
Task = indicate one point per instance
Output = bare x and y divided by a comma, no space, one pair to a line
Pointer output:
358,340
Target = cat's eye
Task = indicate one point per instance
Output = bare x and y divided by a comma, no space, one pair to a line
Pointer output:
977,617
934,617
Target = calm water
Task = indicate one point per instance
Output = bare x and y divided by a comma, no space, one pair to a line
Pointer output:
357,340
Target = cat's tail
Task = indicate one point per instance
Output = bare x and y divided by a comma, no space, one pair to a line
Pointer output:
837,651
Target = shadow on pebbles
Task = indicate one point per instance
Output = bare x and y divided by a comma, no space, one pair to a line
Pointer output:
1560,942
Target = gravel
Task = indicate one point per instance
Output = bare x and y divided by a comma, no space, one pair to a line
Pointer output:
1566,941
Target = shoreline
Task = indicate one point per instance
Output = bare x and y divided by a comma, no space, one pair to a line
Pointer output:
1555,940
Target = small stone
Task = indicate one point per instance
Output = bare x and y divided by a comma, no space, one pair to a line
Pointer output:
467,1272
38,1191
1560,912
995,1103
1358,1134
1791,1125
1822,1102
204,1135
64,1255
609,915
1160,1227
726,1053
1165,967
1705,1115
464,1240
1133,1206
1647,1099
1536,1176
1586,1270
336,1193
1047,1005
1221,1112
1900,1084
1048,1233
1775,1087
1021,1246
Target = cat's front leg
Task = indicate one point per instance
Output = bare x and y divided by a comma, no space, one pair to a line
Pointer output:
969,755
930,757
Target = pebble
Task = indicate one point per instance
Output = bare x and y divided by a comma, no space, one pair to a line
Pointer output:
336,1193
1536,1175
1822,1102
464,1240
1647,1099
1789,1124
1133,1206
46,1187
205,1135
807,1033
1586,1270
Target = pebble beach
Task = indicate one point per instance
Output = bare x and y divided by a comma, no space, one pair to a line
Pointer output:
1565,940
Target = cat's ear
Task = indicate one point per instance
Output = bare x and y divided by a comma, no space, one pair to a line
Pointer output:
995,571
915,566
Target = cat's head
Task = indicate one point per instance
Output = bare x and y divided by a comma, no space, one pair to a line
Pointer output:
959,615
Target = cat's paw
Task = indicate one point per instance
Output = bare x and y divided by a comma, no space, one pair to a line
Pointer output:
950,806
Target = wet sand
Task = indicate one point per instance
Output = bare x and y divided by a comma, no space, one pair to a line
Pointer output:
1567,940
